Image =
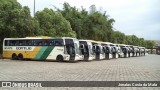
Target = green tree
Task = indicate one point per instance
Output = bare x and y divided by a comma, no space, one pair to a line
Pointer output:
149,44
93,25
128,40
118,37
53,24
75,18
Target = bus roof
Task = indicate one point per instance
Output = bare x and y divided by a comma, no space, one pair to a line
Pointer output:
39,38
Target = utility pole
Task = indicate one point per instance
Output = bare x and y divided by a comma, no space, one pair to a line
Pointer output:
34,9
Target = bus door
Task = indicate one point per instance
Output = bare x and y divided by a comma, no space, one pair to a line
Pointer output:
124,49
137,51
70,48
133,52
107,52
144,51
114,52
103,52
86,54
84,51
129,52
96,50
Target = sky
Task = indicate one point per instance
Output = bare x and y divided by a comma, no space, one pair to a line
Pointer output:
133,17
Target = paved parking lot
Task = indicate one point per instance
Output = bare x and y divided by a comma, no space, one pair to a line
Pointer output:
145,68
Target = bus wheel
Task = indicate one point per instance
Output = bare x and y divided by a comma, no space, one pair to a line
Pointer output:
14,56
59,58
20,57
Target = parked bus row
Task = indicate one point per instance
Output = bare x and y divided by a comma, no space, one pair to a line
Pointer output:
66,49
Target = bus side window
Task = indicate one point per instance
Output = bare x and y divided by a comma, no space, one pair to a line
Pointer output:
12,43
7,42
46,42
58,42
33,42
28,42
50,42
21,43
17,43
39,43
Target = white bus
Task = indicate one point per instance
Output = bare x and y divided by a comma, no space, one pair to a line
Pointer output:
42,48
108,50
116,50
98,49
133,50
120,52
137,50
130,50
87,50
124,49
142,51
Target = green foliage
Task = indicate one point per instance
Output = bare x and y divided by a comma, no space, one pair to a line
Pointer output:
149,44
93,25
133,40
118,37
52,23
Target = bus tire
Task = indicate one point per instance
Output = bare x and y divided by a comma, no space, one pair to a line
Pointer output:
14,56
59,58
20,56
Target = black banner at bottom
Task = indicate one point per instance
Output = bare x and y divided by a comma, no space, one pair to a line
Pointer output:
79,83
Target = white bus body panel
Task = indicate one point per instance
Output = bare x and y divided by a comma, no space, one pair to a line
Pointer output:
117,56
58,51
110,56
102,56
91,57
